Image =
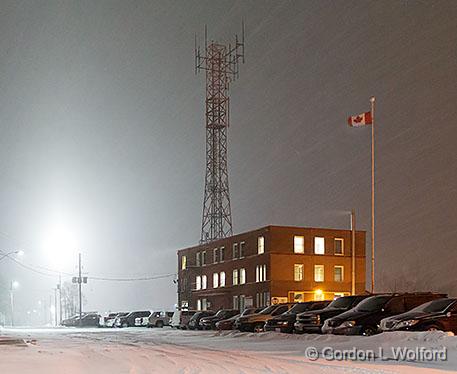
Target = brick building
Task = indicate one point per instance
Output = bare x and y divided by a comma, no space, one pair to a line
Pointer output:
269,265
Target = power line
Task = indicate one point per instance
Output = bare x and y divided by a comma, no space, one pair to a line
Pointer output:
152,277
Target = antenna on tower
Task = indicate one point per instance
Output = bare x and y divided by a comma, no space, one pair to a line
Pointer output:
221,64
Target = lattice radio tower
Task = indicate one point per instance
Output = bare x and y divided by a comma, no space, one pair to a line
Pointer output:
221,64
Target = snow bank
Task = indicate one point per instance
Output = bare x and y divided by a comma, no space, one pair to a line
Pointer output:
138,351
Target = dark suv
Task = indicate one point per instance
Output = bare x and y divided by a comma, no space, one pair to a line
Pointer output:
438,314
285,322
194,322
209,323
364,319
129,319
312,322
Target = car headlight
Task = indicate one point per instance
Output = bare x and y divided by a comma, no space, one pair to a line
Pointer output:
407,323
282,323
318,319
348,324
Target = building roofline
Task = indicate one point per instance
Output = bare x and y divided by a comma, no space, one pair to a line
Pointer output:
265,228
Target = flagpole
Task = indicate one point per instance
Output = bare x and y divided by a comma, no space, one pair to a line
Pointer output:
372,100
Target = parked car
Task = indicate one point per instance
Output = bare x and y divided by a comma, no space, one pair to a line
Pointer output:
438,314
181,318
285,322
209,323
87,320
229,324
109,320
159,319
131,319
72,321
194,322
255,322
91,320
364,319
312,321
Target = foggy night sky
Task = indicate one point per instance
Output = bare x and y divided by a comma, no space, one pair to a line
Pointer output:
102,133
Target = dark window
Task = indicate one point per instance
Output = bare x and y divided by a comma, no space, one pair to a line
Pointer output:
281,309
435,306
222,254
235,250
372,304
396,305
204,258
242,245
339,246
341,303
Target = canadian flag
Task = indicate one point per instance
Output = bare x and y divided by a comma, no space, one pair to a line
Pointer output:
360,120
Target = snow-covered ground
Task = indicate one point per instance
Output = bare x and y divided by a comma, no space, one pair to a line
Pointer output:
138,351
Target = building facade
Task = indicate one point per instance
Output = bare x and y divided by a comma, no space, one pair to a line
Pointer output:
271,265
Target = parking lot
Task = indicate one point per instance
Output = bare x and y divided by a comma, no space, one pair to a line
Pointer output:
142,350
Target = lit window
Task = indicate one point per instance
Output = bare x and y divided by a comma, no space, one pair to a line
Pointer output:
215,280
222,279
299,244
198,282
339,246
242,245
318,273
199,304
198,258
235,277
235,250
319,246
221,254
298,272
261,273
215,256
204,282
339,273
183,262
242,276
260,245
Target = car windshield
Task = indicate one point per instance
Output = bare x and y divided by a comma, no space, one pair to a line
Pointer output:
341,303
221,313
434,306
373,303
249,311
268,309
298,308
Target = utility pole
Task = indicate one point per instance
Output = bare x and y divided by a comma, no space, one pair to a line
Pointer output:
60,298
80,280
80,293
353,251
12,303
55,305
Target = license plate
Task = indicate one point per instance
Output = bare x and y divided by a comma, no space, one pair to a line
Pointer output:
277,329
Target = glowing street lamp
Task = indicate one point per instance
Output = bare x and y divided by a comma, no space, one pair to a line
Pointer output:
14,285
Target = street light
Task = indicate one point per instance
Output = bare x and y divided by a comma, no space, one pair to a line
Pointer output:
14,285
